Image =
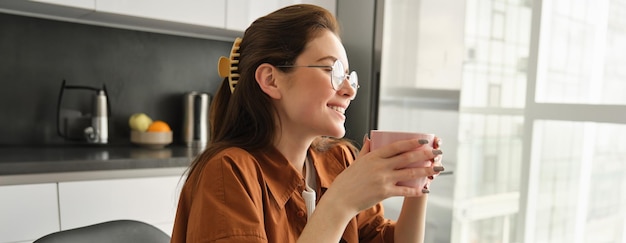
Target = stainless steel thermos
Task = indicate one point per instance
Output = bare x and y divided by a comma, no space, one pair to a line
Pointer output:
196,119
98,132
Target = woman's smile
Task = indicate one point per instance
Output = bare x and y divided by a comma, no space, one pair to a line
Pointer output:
339,109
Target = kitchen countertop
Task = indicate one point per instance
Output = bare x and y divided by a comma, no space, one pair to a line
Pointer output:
63,161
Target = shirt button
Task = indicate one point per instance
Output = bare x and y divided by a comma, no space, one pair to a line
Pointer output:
301,214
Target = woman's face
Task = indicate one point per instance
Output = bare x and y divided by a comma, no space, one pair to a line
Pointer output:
309,105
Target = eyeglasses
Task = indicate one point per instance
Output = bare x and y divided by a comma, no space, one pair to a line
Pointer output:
337,74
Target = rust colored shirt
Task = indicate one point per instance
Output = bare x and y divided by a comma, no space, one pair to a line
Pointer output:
243,197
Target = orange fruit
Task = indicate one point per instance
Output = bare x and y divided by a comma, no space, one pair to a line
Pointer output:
159,126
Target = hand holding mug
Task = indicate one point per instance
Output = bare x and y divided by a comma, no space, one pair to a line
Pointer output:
381,138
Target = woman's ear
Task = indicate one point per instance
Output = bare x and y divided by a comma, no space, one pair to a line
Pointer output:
266,79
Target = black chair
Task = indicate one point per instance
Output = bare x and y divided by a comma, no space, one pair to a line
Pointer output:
118,231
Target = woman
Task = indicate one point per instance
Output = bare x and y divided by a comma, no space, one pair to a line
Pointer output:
276,170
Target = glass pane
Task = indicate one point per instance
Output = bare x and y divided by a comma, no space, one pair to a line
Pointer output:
582,187
497,35
494,230
491,148
416,55
581,53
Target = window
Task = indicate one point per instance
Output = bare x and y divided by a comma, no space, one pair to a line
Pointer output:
539,144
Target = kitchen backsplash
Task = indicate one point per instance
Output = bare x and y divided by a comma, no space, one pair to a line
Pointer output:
143,72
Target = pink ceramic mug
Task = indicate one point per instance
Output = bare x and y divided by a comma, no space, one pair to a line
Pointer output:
381,138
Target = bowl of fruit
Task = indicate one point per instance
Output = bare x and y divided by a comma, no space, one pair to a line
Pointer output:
149,133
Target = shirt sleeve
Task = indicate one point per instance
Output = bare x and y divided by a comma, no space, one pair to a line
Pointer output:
374,227
372,224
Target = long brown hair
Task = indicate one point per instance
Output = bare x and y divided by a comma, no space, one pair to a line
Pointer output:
246,118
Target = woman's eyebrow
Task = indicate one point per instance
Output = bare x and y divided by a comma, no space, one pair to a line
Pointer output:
332,58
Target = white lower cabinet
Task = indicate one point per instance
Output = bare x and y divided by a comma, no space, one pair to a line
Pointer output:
28,212
151,200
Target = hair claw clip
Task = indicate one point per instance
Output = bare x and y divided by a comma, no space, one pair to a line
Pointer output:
229,66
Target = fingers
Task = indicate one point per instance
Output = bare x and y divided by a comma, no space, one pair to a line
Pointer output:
408,191
415,158
437,143
411,191
437,161
410,174
429,172
404,161
426,187
403,146
421,187
399,147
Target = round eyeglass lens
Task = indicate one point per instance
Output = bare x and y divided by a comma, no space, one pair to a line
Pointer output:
339,74
354,80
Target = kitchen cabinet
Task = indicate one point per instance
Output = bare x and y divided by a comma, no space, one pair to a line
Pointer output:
54,9
28,211
241,13
83,4
212,19
152,200
201,19
209,13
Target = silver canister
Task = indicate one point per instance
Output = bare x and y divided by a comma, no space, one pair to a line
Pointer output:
196,119
98,132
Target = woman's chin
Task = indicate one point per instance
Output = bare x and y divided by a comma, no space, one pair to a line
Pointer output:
338,133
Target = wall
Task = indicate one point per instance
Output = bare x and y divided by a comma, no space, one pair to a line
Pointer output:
143,72
357,20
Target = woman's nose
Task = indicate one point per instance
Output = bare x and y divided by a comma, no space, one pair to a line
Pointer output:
346,89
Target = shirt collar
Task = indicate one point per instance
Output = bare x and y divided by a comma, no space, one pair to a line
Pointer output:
282,178
328,164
